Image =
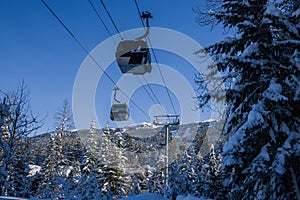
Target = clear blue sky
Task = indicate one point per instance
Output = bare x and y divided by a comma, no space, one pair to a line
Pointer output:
36,48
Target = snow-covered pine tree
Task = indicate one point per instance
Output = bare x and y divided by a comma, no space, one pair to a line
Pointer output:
174,181
64,124
5,161
70,182
156,182
71,146
64,120
19,183
16,123
185,175
213,178
4,141
261,73
139,176
122,165
113,165
52,175
73,172
89,185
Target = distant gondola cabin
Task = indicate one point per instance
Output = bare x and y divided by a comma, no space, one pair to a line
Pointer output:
119,112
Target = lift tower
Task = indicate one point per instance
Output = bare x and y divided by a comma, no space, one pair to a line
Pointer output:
166,121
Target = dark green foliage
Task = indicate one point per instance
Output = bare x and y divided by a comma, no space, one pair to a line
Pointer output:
261,74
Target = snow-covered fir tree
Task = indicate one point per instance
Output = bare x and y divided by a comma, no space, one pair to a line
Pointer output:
64,118
212,175
174,182
139,176
64,124
19,183
71,146
185,175
113,161
262,74
16,123
156,182
5,159
89,185
53,171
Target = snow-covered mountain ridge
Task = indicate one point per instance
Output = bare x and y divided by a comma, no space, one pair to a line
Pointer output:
146,142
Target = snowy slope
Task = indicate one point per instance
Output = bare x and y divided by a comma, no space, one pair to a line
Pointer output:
148,196
151,196
11,198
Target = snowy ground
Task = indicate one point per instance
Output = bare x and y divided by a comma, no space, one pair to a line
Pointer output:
190,197
150,196
11,198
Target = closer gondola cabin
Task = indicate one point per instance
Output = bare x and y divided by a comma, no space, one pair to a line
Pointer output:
133,56
119,112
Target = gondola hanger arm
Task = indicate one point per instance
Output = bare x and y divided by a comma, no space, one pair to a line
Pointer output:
145,15
115,94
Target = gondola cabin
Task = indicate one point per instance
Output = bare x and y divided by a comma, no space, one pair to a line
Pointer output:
119,112
133,57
